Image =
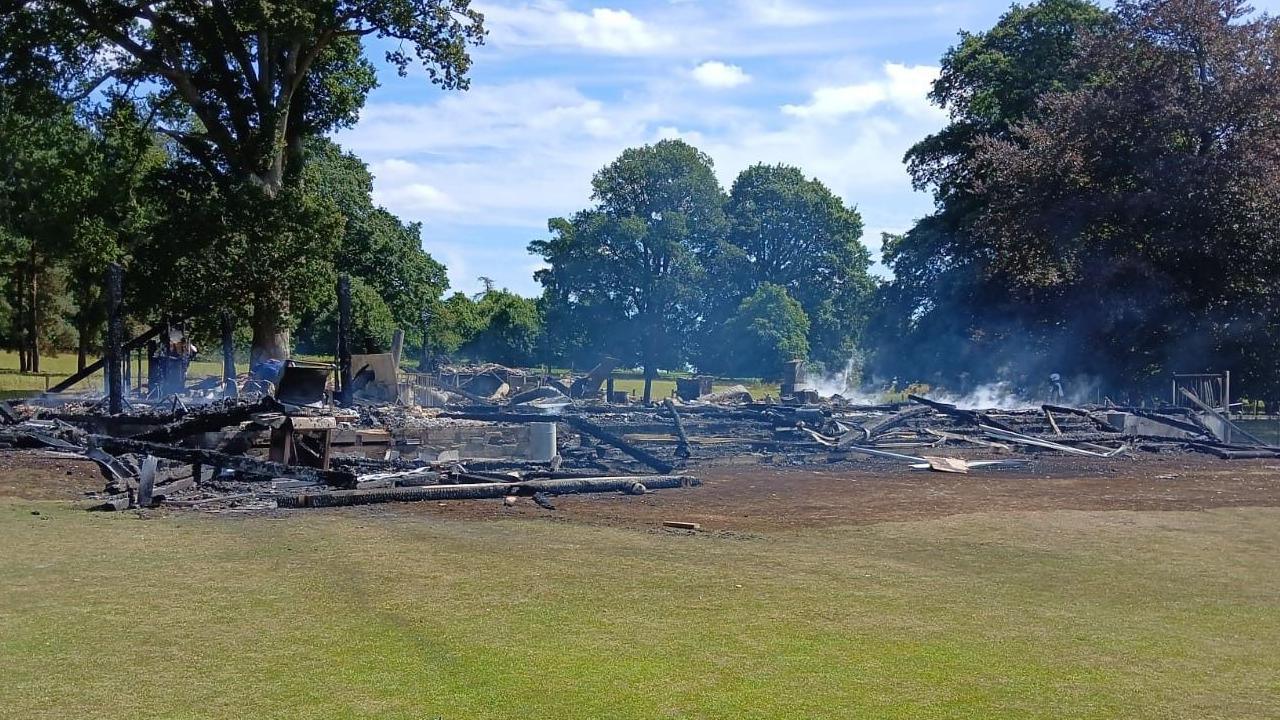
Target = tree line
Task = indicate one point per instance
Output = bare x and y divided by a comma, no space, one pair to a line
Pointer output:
1105,191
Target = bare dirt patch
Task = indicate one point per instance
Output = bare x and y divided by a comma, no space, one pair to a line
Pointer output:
39,475
748,498
762,497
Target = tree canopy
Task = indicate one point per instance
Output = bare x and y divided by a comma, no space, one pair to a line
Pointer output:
240,88
630,264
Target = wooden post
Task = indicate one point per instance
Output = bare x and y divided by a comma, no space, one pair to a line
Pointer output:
33,330
397,346
115,280
228,353
424,363
344,339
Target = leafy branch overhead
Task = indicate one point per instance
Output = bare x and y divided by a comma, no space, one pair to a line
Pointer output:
243,83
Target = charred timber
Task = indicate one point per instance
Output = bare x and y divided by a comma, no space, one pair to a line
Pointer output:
682,449
208,421
482,491
972,417
586,426
243,463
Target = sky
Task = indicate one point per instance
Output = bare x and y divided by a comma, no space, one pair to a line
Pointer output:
561,88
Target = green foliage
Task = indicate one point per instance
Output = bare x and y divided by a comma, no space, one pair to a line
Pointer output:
257,78
207,250
239,89
990,81
372,324
944,313
384,253
627,271
768,329
508,329
793,232
454,321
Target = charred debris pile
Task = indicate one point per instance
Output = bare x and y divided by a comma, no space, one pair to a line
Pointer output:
474,433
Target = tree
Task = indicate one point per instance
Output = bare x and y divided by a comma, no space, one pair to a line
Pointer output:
509,331
944,313
1137,219
793,232
630,264
47,166
376,247
768,329
372,324
240,86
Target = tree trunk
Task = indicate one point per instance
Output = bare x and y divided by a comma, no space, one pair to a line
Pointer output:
270,334
33,328
649,372
82,350
20,322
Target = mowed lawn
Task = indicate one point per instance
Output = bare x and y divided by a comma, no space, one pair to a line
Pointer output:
346,614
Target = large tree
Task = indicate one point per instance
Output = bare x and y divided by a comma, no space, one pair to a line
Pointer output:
1139,216
630,264
945,312
768,329
792,232
241,85
48,166
384,253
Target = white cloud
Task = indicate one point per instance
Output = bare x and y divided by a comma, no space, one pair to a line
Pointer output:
782,13
715,74
904,87
554,24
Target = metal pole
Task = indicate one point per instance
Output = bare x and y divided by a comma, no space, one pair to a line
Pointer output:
228,352
115,334
344,342
1226,403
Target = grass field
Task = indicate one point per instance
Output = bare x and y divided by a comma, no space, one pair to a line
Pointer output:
378,615
56,368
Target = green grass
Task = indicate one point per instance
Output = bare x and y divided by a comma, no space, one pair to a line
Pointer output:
54,368
362,615
57,367
665,388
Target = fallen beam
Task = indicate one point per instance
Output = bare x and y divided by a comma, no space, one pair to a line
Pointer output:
604,436
208,421
682,449
1226,421
243,463
481,491
893,421
970,416
1009,435
97,365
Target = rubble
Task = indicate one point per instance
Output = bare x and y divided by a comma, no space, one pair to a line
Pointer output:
282,443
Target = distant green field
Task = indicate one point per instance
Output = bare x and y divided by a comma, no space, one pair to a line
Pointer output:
58,367
666,388
325,614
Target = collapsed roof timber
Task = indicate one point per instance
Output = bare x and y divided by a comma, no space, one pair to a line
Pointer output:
475,433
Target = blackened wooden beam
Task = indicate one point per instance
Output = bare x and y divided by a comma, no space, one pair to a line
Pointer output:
115,337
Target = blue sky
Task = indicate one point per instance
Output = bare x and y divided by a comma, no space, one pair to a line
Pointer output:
561,88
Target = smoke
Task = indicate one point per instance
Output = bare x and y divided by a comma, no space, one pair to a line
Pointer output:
1001,395
1005,395
844,382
